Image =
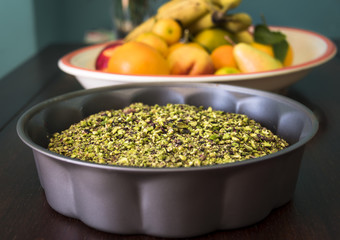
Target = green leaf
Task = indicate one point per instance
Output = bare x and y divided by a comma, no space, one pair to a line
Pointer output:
276,39
264,35
280,50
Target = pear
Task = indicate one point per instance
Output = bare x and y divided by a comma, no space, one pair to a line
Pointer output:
249,59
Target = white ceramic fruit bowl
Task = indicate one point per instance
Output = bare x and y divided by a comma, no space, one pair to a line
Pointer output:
310,50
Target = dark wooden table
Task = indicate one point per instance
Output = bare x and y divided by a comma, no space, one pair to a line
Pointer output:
314,212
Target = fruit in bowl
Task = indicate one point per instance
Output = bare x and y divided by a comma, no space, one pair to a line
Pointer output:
137,58
155,41
250,59
169,30
257,51
190,60
104,56
299,50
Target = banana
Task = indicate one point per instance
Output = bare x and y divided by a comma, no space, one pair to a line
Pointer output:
197,15
206,21
227,4
233,22
236,22
185,11
146,26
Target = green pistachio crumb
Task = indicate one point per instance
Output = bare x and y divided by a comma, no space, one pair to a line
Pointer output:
175,135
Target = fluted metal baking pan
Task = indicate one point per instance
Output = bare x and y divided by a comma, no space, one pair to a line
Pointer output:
179,202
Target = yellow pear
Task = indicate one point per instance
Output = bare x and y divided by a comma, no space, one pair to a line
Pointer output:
249,59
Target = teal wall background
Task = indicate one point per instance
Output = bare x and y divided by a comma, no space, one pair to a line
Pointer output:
17,38
27,26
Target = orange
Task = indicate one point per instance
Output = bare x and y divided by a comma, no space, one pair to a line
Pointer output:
154,41
269,49
168,29
289,57
137,58
264,48
222,56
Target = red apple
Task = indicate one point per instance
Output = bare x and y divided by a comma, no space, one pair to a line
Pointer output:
105,54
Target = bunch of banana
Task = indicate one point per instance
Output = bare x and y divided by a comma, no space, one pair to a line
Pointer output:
219,17
146,26
197,15
234,23
184,11
227,4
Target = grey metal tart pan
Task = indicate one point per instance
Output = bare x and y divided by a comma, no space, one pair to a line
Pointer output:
179,202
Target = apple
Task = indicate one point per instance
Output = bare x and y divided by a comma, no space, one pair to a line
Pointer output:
180,44
105,54
190,60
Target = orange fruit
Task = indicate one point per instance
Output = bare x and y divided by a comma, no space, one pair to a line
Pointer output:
168,29
154,41
264,48
222,56
289,57
269,49
137,58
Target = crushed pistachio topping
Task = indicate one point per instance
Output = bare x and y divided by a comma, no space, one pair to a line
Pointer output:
175,135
